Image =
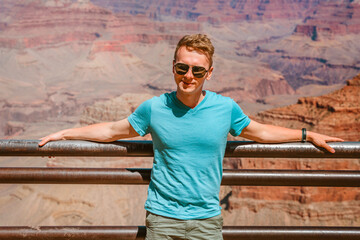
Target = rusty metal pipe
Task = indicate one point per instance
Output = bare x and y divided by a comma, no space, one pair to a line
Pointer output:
76,148
291,150
73,232
291,233
145,148
319,178
134,232
142,176
75,175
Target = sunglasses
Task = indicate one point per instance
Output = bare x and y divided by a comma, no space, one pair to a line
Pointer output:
197,71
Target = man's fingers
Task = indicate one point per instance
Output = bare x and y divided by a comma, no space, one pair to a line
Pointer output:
323,144
328,148
331,139
334,139
43,141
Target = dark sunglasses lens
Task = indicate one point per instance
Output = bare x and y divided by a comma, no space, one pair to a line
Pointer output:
181,68
198,72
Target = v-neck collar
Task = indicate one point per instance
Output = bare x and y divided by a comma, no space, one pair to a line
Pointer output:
187,108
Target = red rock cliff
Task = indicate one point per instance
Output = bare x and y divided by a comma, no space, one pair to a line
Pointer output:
330,19
213,11
336,114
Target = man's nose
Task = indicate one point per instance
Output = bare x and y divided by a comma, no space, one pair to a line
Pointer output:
189,73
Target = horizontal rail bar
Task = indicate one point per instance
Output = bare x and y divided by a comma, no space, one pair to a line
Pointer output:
73,232
291,178
75,175
142,176
291,150
76,148
145,148
291,233
135,232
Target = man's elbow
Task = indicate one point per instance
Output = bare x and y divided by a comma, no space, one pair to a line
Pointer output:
260,137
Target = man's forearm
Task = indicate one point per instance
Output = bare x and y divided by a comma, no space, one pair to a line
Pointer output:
100,132
276,134
273,134
265,133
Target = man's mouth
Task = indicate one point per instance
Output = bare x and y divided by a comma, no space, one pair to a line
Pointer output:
186,83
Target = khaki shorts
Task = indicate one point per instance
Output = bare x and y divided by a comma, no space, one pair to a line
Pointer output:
159,227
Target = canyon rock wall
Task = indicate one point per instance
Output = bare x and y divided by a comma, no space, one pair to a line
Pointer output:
336,114
113,110
330,19
75,53
214,12
313,54
68,63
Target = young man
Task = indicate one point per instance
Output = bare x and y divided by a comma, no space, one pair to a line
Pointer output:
189,129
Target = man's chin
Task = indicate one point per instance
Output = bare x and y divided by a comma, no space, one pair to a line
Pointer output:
187,89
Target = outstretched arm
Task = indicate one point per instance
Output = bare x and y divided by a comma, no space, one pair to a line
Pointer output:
264,133
101,132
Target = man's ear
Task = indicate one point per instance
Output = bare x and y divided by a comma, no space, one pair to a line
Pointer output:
209,73
173,66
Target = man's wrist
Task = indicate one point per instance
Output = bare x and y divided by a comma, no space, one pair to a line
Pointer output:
303,135
310,136
64,135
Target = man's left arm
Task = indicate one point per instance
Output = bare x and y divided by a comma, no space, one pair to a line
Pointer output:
265,133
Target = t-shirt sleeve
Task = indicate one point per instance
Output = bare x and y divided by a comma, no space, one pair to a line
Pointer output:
238,120
140,118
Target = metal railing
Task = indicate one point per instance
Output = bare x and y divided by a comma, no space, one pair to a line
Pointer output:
142,176
145,149
133,232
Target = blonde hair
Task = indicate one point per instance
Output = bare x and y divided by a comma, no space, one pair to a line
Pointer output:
198,42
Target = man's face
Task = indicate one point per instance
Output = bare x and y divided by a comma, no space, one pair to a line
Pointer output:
188,83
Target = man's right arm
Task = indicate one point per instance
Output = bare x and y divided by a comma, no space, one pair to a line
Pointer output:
100,132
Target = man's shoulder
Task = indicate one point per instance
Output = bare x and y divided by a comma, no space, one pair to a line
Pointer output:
213,96
162,100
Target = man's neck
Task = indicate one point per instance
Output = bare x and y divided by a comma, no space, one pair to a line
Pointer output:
191,100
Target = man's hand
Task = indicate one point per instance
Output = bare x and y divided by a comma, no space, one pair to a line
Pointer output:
52,137
321,140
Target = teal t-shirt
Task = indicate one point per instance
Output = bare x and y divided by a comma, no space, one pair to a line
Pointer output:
189,146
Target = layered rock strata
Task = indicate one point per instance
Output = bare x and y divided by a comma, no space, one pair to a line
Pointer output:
336,114
214,12
330,19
